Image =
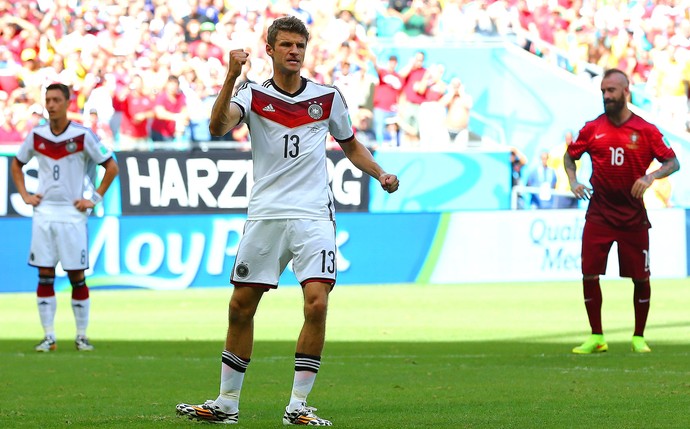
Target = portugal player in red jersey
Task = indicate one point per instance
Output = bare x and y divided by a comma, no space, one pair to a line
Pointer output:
621,145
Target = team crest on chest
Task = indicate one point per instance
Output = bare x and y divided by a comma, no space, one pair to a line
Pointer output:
634,140
315,111
71,146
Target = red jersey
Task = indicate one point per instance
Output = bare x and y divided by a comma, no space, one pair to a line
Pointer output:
408,89
163,126
620,155
132,105
387,91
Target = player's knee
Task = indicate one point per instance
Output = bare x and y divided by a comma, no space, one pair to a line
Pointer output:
76,276
79,289
316,308
46,280
78,283
240,312
590,277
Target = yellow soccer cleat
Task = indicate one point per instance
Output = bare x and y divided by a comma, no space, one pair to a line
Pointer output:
639,345
594,344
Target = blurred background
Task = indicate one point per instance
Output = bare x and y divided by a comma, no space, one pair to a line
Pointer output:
464,100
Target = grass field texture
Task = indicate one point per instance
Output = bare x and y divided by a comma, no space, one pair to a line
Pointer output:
402,356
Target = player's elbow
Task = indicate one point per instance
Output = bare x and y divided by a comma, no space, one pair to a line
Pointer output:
111,167
217,129
114,168
672,165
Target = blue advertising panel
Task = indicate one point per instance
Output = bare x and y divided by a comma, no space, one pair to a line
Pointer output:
17,275
444,181
184,251
383,248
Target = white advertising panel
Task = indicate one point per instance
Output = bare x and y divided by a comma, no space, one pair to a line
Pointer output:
539,245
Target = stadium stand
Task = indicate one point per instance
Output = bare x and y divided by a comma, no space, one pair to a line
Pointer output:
103,48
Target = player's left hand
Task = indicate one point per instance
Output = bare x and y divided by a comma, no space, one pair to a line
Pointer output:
389,182
641,185
83,205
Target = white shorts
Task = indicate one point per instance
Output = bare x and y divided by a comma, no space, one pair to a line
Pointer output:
268,245
66,242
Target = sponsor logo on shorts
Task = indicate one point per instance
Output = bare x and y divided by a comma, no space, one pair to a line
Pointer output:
242,270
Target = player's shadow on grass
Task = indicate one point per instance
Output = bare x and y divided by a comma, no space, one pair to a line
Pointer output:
580,333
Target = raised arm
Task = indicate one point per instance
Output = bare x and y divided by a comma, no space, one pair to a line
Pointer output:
224,114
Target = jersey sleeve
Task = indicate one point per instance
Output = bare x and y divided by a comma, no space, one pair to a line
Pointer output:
580,145
243,98
661,148
339,123
97,151
26,149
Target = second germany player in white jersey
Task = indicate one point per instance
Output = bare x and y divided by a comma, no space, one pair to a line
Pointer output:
67,154
290,214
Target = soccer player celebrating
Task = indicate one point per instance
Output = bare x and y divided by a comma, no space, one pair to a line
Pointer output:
621,145
67,155
290,213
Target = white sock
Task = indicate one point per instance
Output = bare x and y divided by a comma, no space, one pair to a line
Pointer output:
306,368
81,308
231,378
301,386
47,306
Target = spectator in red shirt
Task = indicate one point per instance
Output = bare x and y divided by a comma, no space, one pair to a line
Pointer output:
411,98
8,133
203,47
170,113
137,111
386,94
9,70
14,33
432,113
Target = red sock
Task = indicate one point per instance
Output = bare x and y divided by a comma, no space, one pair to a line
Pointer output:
80,291
641,296
45,287
592,293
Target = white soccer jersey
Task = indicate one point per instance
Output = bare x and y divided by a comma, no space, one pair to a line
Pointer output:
66,167
288,137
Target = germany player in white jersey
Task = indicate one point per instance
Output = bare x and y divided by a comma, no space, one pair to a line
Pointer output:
290,213
67,155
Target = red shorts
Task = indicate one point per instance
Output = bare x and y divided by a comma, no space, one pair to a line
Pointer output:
633,250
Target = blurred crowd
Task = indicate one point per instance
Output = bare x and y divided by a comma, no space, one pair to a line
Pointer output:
648,39
146,72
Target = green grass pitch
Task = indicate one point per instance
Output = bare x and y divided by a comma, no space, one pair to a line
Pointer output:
398,356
